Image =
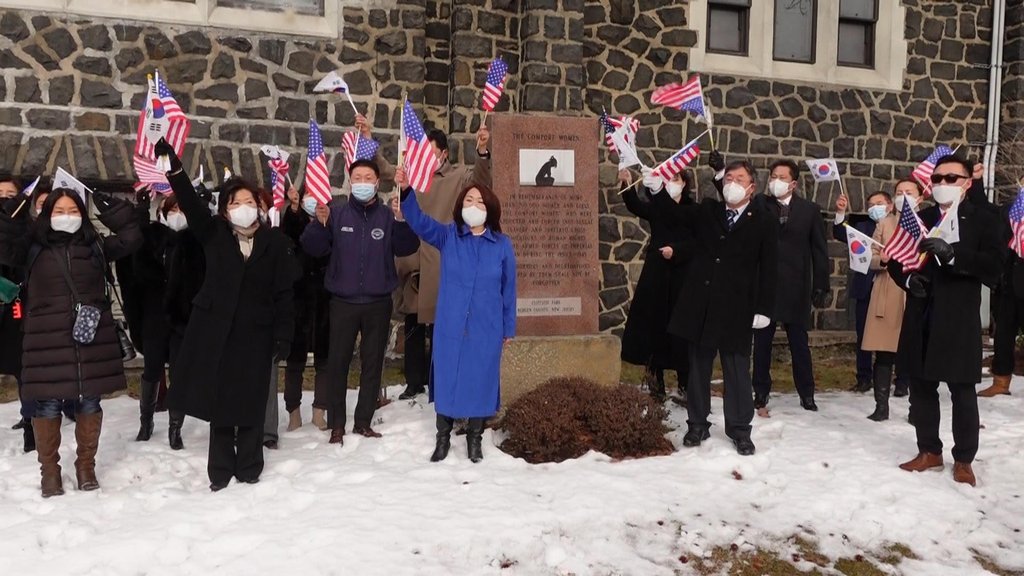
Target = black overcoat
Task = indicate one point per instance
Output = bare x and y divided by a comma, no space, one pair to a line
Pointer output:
731,277
803,259
222,371
941,335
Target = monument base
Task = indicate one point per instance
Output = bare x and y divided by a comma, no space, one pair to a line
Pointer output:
529,361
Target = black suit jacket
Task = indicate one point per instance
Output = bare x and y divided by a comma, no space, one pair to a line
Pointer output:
858,286
732,274
941,335
803,258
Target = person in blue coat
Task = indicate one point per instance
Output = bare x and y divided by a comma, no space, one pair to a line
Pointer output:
476,309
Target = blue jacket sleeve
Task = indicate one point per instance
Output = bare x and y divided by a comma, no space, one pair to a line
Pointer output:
431,231
317,239
508,290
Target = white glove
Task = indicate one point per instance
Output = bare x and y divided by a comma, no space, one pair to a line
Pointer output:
653,183
761,321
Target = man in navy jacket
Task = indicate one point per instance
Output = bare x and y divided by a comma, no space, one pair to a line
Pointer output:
362,238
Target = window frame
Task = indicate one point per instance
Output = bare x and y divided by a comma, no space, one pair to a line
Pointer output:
744,11
814,36
871,44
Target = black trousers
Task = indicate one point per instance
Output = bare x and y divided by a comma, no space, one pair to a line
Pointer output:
235,452
371,323
681,359
924,402
738,400
800,351
312,334
416,363
1009,320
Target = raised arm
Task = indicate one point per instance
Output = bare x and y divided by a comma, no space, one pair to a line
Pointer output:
318,237
197,211
121,218
431,231
482,167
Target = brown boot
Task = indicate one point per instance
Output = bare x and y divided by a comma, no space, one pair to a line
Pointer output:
1000,387
294,420
87,432
923,461
47,433
320,418
963,473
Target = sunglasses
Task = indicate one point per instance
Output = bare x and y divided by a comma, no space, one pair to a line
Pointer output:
947,178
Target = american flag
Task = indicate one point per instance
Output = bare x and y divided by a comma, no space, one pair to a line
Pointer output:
1017,224
278,173
903,246
420,161
689,96
495,85
318,182
923,172
161,116
610,125
150,175
674,165
357,148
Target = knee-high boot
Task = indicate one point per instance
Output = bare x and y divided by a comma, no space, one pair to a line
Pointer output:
882,380
147,406
87,433
444,438
474,438
47,433
176,420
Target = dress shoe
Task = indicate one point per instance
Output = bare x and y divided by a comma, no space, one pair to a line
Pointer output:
411,392
255,480
695,435
744,446
808,404
861,386
923,461
902,389
337,436
21,424
366,431
270,444
963,473
218,486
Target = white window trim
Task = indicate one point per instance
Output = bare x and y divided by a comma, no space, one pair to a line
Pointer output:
201,13
890,48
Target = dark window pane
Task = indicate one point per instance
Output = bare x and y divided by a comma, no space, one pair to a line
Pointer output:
856,44
744,3
858,9
794,30
727,30
308,7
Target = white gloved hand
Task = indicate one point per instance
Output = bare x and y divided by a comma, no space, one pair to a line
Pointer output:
761,321
653,183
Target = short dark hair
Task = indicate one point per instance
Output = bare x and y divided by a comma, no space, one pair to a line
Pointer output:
438,137
229,188
491,202
882,193
365,164
742,164
954,159
12,180
794,168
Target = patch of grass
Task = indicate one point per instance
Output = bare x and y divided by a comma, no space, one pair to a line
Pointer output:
758,562
771,561
859,566
992,567
895,553
809,552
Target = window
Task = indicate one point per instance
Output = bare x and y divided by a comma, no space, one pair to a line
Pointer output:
306,7
728,26
795,30
857,20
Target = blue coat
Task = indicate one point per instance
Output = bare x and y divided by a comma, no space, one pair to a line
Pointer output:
476,311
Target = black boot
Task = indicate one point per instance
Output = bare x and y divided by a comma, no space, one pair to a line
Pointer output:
411,392
30,439
444,438
474,436
883,378
147,406
176,419
902,388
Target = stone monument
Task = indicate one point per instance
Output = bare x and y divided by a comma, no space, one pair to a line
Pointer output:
546,176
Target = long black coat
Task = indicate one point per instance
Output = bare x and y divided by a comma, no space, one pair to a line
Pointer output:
731,277
312,300
222,371
147,285
941,335
803,259
645,339
54,365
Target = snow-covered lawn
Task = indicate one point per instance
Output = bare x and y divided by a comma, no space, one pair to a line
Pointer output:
379,507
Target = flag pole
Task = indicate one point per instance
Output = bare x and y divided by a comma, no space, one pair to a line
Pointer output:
20,206
873,241
401,128
708,131
352,102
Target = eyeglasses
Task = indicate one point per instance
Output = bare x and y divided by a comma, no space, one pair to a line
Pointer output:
947,178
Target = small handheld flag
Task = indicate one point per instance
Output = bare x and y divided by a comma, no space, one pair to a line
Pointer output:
823,170
333,82
63,179
688,97
358,148
420,161
904,243
318,181
495,85
674,165
1017,224
948,228
859,246
923,172
28,190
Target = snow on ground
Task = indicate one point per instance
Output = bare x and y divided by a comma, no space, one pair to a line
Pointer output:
377,506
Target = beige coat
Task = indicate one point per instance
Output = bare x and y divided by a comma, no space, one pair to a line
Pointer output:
448,183
885,309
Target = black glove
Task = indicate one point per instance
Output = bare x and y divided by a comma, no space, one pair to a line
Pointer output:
163,148
284,350
103,201
939,248
204,193
917,284
142,198
716,161
819,298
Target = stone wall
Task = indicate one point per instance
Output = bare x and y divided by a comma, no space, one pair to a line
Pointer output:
70,90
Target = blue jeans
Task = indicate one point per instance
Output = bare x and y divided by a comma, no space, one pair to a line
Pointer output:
53,408
28,407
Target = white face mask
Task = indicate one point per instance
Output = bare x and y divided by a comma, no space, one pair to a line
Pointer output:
243,216
66,223
309,205
363,192
733,193
904,198
176,221
877,213
474,216
946,194
674,190
778,188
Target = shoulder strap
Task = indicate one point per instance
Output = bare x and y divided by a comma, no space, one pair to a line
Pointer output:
64,268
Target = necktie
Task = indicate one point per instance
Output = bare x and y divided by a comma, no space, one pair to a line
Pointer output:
783,213
730,217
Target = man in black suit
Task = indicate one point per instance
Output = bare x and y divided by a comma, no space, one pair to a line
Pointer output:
729,290
941,336
802,280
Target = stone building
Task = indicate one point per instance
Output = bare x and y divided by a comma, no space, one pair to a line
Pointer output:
874,83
